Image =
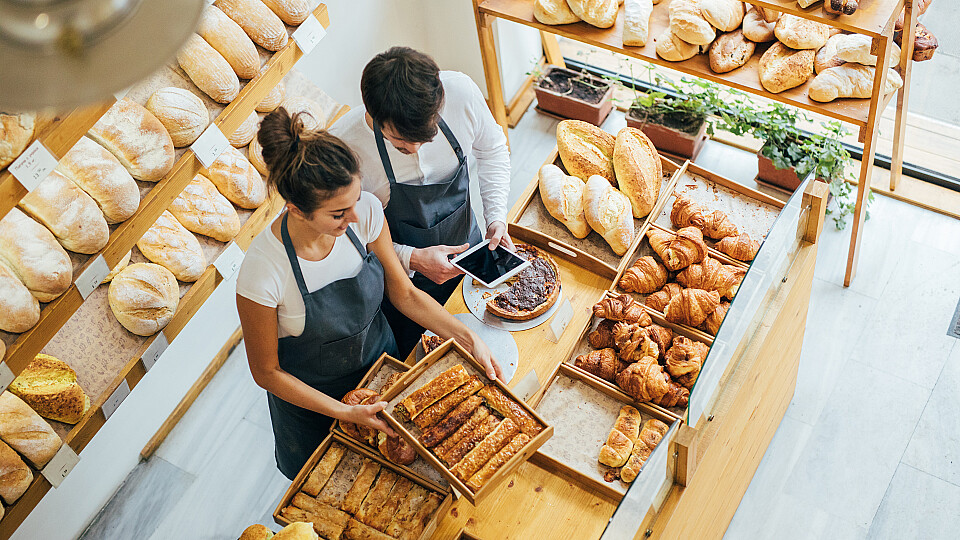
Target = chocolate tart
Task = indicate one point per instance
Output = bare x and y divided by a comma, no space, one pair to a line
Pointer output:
533,292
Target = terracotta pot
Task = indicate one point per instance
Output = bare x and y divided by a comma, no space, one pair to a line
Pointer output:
669,140
783,178
569,107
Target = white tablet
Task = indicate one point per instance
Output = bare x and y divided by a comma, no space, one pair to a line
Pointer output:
489,267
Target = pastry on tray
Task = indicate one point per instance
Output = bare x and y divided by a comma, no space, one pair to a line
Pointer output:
429,343
534,292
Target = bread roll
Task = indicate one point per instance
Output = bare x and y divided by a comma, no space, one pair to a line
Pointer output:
599,13
799,33
636,22
144,297
203,210
137,138
586,150
19,310
639,170
562,195
274,97
300,104
172,246
230,41
16,132
687,22
856,48
292,12
70,214
674,49
826,57
23,429
208,69
256,532
35,256
256,19
609,213
782,68
124,261
15,476
98,173
554,12
756,29
724,15
850,81
245,133
237,180
730,51
255,155
769,15
50,387
181,112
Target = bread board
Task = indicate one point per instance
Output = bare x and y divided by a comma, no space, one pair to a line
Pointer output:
440,359
348,466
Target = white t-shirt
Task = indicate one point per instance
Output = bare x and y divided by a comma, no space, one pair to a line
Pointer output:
267,278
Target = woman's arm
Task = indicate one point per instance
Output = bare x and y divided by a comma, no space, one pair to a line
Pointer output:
260,338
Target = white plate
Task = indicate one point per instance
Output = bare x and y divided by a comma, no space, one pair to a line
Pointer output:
501,344
476,297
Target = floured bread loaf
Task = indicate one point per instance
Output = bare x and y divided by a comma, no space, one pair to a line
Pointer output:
34,255
144,298
208,69
19,310
16,132
70,214
609,213
237,179
103,177
274,97
181,112
203,210
244,134
137,138
172,246
230,41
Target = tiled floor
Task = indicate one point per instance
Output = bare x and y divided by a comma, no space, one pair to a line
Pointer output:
869,448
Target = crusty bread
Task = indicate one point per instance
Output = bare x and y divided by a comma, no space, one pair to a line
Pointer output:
688,24
826,57
16,132
586,150
297,531
19,310
609,213
850,81
124,261
23,429
562,195
203,210
230,41
262,25
98,172
255,155
135,136
256,532
639,170
599,13
50,387
674,49
70,214
171,245
237,179
724,15
857,48
208,69
799,33
782,68
300,104
554,12
35,256
730,51
181,112
636,22
292,12
15,476
756,29
245,133
144,297
274,97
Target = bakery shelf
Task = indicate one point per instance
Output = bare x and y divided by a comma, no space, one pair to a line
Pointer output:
872,18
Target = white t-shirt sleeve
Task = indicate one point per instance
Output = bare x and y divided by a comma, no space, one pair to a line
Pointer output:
260,278
369,217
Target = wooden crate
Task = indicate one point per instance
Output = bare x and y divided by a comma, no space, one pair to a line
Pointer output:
412,381
301,478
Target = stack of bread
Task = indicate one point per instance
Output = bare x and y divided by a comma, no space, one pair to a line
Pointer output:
600,13
846,68
628,446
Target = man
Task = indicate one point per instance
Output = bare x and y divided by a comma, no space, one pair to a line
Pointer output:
413,136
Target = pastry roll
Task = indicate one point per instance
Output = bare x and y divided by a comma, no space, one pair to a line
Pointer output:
414,526
453,440
497,461
377,496
415,499
327,520
482,453
322,471
436,411
414,404
358,491
616,451
435,434
508,408
637,458
358,531
470,440
382,517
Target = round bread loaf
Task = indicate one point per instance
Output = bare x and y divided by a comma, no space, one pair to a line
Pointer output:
274,97
135,136
586,150
16,130
245,133
180,111
144,297
255,155
256,532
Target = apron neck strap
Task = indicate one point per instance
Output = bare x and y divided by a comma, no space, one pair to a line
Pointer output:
385,159
292,253
355,240
448,133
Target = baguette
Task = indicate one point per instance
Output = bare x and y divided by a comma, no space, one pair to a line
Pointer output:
50,387
136,138
97,172
246,132
19,310
172,246
256,19
562,195
359,531
639,170
323,470
143,298
274,97
377,495
361,486
16,132
237,180
70,214
608,212
435,434
200,208
470,440
34,255
439,409
208,69
486,449
491,467
477,418
430,393
292,12
15,476
508,408
23,429
230,41
382,517
181,112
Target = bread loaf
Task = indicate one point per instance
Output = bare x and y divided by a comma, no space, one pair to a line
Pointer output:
274,97
16,132
23,429
296,531
924,43
554,12
50,387
181,112
15,476
135,136
300,104
782,68
799,33
639,170
756,29
208,69
237,180
35,256
636,22
98,173
203,210
609,213
688,24
826,57
124,261
292,12
562,195
230,41
724,15
144,297
70,214
850,81
586,150
170,245
256,532
19,310
256,19
730,51
856,48
245,133
840,7
255,156
599,13
674,49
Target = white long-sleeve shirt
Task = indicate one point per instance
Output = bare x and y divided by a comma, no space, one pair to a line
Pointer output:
478,133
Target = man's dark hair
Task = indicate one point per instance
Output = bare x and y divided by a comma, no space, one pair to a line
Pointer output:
401,87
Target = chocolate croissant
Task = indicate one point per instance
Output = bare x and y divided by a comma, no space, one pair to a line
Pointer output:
602,363
645,276
634,342
661,298
710,275
691,306
678,250
684,360
622,308
646,380
602,337
740,247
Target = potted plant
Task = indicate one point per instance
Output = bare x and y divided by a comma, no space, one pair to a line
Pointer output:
677,122
573,94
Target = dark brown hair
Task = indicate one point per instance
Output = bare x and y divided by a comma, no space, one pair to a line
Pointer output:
401,87
306,167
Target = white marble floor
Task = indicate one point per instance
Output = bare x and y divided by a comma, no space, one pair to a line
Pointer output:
869,448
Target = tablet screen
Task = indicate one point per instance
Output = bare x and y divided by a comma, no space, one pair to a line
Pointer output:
487,265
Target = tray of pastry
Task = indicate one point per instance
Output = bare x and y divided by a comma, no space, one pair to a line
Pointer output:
473,430
532,222
629,348
346,491
602,437
382,374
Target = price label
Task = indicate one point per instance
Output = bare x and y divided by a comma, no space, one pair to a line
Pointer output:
527,385
229,261
153,352
60,465
116,398
309,34
93,276
6,376
33,166
209,145
560,321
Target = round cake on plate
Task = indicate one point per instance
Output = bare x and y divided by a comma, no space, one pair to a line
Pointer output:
533,291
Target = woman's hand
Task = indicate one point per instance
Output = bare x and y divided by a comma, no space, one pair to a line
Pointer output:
483,355
366,415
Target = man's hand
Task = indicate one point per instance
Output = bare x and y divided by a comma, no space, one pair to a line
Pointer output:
497,233
434,262
366,415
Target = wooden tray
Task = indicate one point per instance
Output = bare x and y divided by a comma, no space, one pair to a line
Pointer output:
583,412
531,222
364,452
431,365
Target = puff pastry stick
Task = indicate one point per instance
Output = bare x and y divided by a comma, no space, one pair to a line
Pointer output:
435,434
414,526
358,531
441,385
487,448
453,440
377,496
408,508
383,516
439,409
358,491
469,441
508,408
491,467
323,470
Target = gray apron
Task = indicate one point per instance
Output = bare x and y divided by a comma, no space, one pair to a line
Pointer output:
344,332
428,215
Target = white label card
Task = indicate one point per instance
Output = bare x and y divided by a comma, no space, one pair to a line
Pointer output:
209,145
112,403
309,34
153,352
93,276
229,261
6,376
33,166
560,321
60,465
527,386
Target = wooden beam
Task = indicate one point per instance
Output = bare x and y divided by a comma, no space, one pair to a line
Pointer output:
816,196
551,49
491,68
900,122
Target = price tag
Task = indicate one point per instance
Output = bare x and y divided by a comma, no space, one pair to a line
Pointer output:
229,261
560,321
116,398
153,352
527,385
60,465
309,34
33,166
6,376
92,277
209,145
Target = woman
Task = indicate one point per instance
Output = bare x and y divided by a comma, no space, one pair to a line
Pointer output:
310,289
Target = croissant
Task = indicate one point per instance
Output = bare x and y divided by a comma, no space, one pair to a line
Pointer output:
684,359
602,363
602,337
686,213
634,342
645,276
622,308
710,275
652,432
717,225
712,323
661,298
650,436
663,337
646,380
691,306
740,247
678,250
